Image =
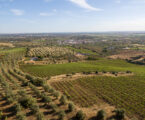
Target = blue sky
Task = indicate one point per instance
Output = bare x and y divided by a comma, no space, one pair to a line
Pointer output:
28,16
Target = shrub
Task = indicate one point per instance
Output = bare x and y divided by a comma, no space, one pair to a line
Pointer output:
17,107
61,115
53,107
10,100
40,116
128,71
38,82
51,90
29,77
46,88
73,73
20,116
63,100
34,109
46,98
104,71
56,94
70,107
22,93
67,75
25,83
96,72
119,114
27,101
101,115
1,115
87,73
92,58
38,93
80,115
35,81
113,72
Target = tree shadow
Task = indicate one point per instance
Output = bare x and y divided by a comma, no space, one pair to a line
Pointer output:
73,118
29,113
4,104
92,118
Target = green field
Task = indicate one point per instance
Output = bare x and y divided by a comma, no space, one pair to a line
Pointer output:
83,51
12,50
99,65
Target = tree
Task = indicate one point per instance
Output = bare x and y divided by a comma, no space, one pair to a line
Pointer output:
17,107
101,115
1,115
40,116
54,107
61,115
119,114
63,100
46,88
34,109
96,72
80,115
46,98
56,94
27,101
71,107
20,116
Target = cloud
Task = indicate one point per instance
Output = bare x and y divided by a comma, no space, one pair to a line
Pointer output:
84,4
48,14
17,12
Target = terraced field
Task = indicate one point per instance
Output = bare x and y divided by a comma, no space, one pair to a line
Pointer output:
23,96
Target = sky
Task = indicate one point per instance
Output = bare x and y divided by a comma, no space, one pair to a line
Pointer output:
39,16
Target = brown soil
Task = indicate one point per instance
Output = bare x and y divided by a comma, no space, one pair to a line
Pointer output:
127,54
6,45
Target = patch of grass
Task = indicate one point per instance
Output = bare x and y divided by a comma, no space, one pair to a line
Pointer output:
11,50
83,51
68,68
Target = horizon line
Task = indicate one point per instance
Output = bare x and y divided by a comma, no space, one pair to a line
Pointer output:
71,32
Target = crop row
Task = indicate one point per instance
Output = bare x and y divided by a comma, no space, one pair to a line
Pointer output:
118,91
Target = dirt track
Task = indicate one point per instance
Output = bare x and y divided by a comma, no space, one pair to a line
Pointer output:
81,75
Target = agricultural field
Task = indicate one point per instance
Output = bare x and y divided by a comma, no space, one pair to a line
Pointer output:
23,96
123,92
53,55
83,51
72,77
49,51
6,45
118,91
133,56
89,66
12,50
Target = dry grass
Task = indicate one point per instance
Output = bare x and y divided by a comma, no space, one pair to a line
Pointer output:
6,45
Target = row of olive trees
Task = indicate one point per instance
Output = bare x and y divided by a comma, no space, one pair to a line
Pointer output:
101,115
